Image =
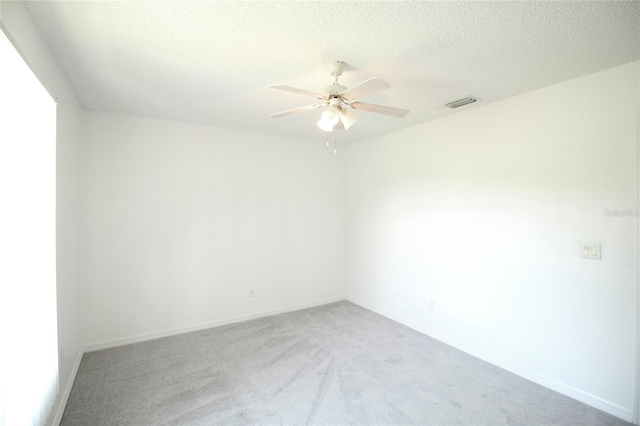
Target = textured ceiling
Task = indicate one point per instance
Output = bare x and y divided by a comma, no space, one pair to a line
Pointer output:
212,62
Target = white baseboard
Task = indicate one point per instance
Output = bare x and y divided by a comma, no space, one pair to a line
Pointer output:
64,397
571,392
203,326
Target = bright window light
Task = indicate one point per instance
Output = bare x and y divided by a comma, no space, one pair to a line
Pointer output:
28,320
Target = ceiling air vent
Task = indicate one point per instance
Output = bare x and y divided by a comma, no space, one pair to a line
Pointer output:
461,102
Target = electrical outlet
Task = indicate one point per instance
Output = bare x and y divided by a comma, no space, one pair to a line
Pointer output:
252,292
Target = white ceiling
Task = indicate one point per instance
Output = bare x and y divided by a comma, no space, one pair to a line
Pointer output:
212,62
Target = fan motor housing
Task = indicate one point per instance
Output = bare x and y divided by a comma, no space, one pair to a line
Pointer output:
334,89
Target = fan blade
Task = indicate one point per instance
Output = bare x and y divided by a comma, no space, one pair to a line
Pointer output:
294,111
348,118
338,126
374,84
296,90
381,109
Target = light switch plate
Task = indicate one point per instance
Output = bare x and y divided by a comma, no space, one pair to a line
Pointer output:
590,250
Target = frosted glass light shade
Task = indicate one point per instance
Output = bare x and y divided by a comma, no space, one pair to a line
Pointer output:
330,116
328,119
325,125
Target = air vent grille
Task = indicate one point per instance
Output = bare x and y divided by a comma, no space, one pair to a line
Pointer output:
461,102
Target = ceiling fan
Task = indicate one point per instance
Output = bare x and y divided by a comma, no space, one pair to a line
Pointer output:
337,98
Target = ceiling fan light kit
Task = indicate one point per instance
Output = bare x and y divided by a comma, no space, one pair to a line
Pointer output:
337,99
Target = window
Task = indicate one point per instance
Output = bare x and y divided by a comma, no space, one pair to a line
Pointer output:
28,319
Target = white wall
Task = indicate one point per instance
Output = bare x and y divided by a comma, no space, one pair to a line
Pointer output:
467,228
180,220
17,21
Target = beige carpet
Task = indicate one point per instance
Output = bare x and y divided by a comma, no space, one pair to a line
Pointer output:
330,365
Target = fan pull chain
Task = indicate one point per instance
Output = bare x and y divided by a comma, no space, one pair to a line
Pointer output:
335,145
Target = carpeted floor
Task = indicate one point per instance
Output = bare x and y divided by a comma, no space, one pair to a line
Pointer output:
334,364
